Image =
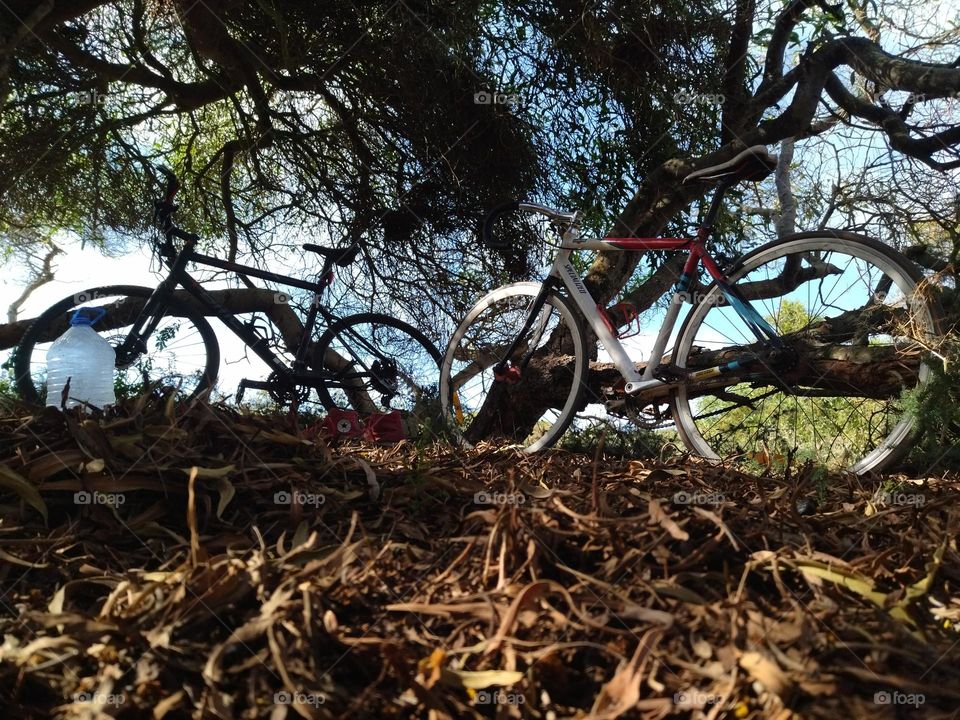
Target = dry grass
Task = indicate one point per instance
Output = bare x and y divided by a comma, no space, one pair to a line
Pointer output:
586,588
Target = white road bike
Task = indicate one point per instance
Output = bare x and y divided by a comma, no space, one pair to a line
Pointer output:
805,348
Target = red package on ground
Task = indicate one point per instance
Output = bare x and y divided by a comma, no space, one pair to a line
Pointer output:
385,428
342,423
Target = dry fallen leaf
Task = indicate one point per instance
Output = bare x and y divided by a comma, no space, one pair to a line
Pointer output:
425,603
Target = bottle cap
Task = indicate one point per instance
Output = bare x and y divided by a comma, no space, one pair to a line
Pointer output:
87,316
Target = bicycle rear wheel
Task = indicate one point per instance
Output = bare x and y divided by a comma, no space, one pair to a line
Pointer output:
181,353
379,363
536,403
855,320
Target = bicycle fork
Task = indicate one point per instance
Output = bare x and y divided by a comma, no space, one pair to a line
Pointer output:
504,370
150,316
147,320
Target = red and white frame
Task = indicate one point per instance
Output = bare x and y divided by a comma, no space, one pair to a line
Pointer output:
564,271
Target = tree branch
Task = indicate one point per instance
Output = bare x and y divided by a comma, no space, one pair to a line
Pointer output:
44,276
734,76
236,301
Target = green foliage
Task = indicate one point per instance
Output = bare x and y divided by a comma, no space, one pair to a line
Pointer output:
775,428
8,394
356,122
936,407
791,317
622,440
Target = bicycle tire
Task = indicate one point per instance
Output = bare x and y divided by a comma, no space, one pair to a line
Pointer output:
570,316
891,263
54,320
344,336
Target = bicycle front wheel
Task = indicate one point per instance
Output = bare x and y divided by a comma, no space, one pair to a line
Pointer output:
377,363
855,321
181,353
535,402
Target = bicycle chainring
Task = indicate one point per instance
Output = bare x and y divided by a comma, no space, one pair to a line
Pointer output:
654,416
284,392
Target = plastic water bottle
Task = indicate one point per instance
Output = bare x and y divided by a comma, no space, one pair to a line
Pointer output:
84,358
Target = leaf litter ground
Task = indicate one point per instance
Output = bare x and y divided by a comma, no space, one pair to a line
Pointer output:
198,562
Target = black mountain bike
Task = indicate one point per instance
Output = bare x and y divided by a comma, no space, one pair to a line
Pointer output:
368,362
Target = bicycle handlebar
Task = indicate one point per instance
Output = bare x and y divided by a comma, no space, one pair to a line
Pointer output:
555,216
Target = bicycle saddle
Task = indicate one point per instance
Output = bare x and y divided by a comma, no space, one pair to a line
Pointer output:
341,256
754,163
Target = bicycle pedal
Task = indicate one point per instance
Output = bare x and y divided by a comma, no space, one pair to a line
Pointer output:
246,384
386,428
242,387
342,423
617,390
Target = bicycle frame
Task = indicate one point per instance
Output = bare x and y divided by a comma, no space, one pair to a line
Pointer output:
563,271
178,276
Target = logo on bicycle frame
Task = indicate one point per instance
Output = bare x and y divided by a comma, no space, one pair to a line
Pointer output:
575,279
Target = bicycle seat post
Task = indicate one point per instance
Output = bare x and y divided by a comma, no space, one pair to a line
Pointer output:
706,226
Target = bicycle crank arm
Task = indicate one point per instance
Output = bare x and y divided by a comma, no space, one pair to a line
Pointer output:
668,377
253,385
651,391
648,389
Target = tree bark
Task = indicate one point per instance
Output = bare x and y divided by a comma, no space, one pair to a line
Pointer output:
235,301
877,372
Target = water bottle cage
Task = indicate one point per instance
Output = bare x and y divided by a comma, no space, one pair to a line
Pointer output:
262,331
628,312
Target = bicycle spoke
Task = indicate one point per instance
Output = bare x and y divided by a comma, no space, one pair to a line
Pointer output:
534,402
833,421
